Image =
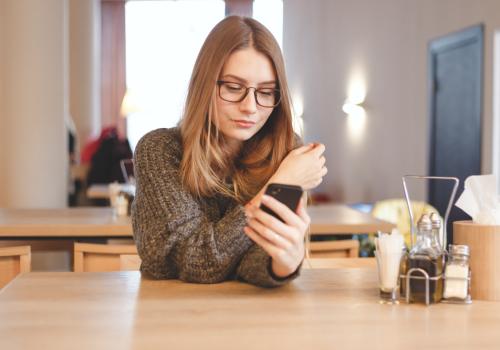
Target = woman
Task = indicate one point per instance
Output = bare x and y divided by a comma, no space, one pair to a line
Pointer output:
196,213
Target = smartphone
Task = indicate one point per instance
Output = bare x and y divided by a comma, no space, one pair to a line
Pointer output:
287,194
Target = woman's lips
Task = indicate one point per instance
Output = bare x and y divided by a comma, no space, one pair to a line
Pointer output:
243,123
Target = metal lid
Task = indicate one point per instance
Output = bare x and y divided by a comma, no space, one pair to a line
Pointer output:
424,223
457,249
436,220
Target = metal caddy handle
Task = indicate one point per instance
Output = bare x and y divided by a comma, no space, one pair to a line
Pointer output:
448,209
413,233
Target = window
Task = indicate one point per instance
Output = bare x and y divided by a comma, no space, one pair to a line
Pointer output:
270,14
162,42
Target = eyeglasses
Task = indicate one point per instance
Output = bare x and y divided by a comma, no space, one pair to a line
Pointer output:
235,92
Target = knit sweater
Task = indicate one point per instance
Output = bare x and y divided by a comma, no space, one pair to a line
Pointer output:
180,236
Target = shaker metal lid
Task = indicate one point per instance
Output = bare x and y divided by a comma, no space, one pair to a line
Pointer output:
424,223
459,249
436,220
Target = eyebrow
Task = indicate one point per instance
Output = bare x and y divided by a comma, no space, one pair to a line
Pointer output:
246,82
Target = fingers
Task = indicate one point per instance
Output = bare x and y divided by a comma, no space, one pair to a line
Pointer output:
275,231
266,245
318,182
313,183
304,166
303,149
287,215
322,161
318,150
286,254
268,233
323,171
316,179
271,228
302,213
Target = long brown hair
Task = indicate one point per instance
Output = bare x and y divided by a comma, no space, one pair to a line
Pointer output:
208,164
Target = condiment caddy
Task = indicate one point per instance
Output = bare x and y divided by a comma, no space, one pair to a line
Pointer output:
430,273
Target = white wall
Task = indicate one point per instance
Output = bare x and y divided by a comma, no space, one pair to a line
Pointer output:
384,41
85,58
34,103
2,147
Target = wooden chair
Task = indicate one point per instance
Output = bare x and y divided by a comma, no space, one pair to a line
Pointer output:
13,261
339,263
89,257
127,168
348,248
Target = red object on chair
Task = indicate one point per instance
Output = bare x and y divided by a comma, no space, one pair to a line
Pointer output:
93,145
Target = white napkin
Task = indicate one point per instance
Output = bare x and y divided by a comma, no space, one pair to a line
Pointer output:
389,249
480,199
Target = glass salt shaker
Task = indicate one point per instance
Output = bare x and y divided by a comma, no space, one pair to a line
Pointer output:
457,275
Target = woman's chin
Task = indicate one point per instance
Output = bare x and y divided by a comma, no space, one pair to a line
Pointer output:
240,135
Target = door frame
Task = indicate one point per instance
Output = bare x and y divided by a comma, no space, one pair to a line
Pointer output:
457,39
495,152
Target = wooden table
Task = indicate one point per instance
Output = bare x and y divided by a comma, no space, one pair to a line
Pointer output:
340,219
323,309
331,219
100,222
67,222
101,191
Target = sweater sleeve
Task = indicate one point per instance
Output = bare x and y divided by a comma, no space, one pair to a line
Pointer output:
255,268
174,235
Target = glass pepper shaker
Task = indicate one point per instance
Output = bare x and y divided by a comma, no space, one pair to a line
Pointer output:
436,231
457,275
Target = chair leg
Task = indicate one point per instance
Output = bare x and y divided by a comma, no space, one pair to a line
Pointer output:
78,261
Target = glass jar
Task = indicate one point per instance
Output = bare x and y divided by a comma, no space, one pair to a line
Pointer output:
425,265
457,275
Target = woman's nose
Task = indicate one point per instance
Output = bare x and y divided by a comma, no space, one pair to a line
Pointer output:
249,105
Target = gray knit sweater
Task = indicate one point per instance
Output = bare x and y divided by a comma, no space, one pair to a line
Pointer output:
178,236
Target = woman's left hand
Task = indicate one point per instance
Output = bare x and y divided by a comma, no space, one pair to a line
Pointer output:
283,241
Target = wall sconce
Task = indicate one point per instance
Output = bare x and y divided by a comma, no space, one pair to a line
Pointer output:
356,95
130,104
353,106
353,109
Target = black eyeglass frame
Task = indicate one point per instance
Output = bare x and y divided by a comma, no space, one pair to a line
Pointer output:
276,91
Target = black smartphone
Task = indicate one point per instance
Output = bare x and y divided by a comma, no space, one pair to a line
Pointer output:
287,194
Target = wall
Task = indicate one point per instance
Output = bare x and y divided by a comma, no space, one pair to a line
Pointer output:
325,43
2,146
34,103
84,53
386,43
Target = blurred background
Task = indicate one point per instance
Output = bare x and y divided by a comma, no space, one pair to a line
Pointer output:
391,87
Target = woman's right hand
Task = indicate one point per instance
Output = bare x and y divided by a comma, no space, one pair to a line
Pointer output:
304,167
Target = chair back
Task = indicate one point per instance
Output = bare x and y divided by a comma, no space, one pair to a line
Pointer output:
339,263
13,261
127,168
347,248
90,257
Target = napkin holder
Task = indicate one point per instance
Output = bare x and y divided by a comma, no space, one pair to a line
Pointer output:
484,244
